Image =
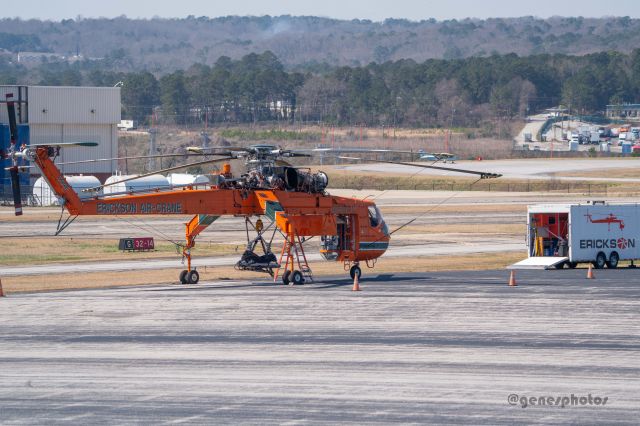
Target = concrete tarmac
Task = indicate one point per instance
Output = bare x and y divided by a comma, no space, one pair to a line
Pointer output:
412,348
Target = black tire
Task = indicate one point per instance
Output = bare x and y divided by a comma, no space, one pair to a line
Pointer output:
193,277
297,278
285,277
355,269
183,276
572,265
560,265
614,258
600,261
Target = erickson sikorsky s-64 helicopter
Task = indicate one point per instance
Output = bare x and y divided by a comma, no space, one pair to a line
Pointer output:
291,200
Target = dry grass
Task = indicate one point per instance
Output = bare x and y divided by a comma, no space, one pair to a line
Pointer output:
455,208
164,276
614,173
32,251
471,228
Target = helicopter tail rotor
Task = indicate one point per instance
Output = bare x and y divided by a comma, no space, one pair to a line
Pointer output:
13,170
15,188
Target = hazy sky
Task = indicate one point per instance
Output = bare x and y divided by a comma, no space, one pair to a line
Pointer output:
342,9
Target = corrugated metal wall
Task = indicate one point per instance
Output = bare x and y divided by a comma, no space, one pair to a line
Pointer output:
104,134
74,105
72,114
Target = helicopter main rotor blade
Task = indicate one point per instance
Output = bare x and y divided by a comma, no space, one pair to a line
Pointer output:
65,144
483,175
356,150
227,150
184,166
135,157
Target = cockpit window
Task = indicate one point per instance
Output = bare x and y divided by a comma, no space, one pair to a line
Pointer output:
374,217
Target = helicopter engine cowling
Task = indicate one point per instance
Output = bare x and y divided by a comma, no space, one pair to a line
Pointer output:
297,180
317,182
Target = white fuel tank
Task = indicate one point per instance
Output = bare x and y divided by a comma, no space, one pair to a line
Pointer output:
147,183
45,196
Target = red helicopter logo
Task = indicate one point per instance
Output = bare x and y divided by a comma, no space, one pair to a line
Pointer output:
609,219
623,243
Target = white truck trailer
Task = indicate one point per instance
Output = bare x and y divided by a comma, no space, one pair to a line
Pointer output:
567,234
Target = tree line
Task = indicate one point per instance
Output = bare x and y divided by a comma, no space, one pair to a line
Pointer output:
161,45
471,92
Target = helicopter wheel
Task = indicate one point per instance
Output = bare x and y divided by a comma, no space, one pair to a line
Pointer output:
297,278
193,277
183,276
355,270
285,277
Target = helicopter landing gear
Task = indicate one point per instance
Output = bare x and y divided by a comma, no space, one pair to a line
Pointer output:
355,270
292,278
189,277
193,277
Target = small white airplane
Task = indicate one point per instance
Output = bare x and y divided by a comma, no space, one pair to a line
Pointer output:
437,156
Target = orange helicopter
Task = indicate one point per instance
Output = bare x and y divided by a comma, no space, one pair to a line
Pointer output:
293,200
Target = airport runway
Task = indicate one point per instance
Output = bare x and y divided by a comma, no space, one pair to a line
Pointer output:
411,348
516,169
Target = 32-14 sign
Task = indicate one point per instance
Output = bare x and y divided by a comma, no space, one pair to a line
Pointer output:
136,244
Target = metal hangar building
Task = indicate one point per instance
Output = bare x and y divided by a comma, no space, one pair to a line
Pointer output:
48,114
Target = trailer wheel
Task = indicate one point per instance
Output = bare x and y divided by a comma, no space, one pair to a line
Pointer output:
560,265
297,278
572,265
285,277
600,261
614,258
183,276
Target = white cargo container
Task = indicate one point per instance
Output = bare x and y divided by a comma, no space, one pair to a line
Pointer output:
597,233
127,125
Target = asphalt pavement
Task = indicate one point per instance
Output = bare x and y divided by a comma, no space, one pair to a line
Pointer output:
454,347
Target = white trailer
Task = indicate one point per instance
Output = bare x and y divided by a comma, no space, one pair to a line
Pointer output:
567,234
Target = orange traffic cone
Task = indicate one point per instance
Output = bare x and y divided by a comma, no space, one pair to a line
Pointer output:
512,279
590,275
1,291
356,284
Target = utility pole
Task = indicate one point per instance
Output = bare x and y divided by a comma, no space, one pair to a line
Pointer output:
152,148
152,144
446,145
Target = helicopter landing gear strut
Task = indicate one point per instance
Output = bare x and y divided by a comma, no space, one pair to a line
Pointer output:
193,228
188,276
354,267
